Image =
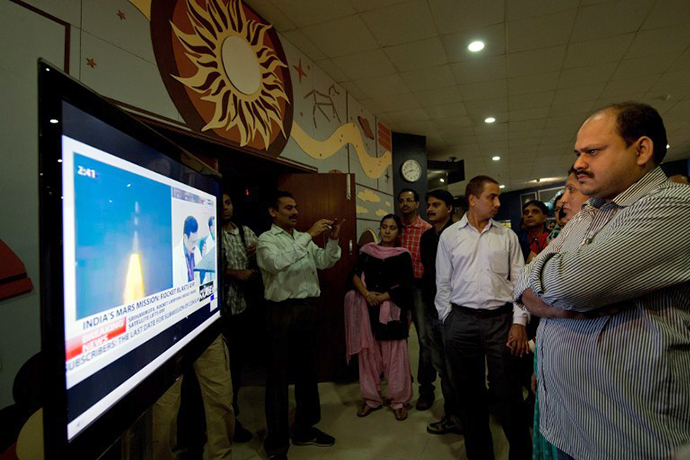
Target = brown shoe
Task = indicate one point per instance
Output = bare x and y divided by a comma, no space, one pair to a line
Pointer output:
425,402
400,414
366,409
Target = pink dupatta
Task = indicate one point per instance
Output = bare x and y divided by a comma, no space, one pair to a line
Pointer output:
358,335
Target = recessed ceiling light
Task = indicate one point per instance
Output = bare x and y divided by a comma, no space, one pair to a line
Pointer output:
442,179
668,146
495,158
53,120
476,46
489,120
501,186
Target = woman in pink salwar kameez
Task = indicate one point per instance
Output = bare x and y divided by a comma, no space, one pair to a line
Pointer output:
377,320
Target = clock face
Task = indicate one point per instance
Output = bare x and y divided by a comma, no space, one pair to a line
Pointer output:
411,170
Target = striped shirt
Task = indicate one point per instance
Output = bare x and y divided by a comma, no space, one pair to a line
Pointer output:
410,238
235,258
618,386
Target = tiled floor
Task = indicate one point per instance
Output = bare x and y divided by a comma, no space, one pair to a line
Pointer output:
378,436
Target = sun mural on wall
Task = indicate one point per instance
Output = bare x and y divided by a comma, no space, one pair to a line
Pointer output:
225,69
235,70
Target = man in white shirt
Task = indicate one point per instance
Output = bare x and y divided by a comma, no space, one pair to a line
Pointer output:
477,263
288,260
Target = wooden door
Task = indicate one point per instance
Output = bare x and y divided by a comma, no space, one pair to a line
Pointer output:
320,196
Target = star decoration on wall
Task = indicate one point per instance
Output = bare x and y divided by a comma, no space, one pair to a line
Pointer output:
121,15
300,71
91,63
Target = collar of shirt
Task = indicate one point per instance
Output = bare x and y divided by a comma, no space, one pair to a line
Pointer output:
277,230
464,222
642,187
418,222
234,231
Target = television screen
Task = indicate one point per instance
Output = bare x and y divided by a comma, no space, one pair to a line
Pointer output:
134,229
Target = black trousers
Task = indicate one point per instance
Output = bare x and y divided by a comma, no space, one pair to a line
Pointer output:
438,359
293,348
473,339
238,331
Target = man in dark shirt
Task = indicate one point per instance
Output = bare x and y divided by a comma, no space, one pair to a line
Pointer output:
439,210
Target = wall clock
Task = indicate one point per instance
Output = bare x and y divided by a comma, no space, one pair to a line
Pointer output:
411,170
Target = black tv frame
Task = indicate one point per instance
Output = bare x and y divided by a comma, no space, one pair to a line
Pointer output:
54,88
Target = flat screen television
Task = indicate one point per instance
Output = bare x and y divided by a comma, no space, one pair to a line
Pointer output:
129,289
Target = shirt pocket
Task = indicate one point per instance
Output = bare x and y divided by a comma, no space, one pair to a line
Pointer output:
498,259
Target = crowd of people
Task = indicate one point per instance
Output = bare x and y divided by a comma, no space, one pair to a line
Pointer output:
584,323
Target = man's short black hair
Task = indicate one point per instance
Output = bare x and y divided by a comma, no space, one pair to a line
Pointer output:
275,199
476,186
443,195
414,192
537,203
634,120
190,226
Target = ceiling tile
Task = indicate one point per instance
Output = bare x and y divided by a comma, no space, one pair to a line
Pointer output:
554,29
640,84
388,85
526,125
394,103
366,5
417,55
368,64
273,15
484,90
438,96
530,101
535,61
533,8
304,44
598,73
593,52
308,12
683,62
674,84
528,114
668,13
453,112
341,36
452,15
403,117
455,44
532,83
462,127
332,70
669,42
402,23
483,108
479,69
596,21
429,78
578,94
570,108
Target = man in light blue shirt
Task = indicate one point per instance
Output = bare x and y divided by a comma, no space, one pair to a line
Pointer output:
289,260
